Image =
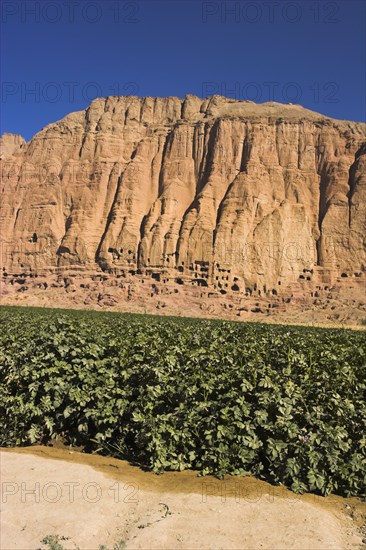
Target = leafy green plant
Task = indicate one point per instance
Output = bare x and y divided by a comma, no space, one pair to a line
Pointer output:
120,545
286,404
52,542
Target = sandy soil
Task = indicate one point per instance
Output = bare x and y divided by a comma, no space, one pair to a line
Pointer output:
93,501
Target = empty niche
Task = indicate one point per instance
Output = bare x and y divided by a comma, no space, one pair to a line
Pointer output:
63,250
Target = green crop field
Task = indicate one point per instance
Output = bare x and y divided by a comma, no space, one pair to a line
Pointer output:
285,404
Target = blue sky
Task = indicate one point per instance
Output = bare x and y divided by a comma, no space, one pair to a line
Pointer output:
58,55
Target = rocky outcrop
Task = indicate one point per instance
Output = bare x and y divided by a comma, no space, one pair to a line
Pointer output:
214,192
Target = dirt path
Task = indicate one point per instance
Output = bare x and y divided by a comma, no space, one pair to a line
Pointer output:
93,501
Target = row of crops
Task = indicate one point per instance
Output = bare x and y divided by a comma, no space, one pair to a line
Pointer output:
285,404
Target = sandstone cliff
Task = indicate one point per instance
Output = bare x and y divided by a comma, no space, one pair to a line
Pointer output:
215,192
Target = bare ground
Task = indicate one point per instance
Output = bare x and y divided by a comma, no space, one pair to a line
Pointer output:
92,501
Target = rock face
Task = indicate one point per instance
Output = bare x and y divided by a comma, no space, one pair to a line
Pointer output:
212,192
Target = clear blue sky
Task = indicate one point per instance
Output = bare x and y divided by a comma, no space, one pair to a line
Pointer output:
58,55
